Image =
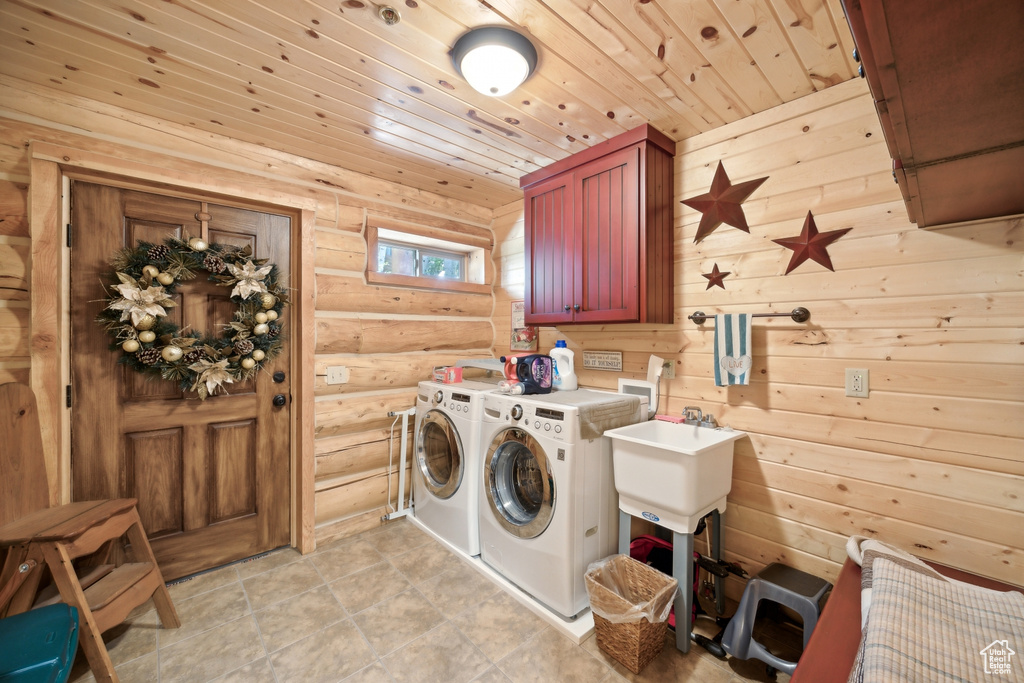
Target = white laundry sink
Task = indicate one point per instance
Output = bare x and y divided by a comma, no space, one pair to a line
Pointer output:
672,474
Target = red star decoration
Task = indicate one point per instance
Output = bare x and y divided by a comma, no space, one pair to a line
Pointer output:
811,244
715,277
722,203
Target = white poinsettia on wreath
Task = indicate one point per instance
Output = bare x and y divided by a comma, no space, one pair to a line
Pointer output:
137,302
248,279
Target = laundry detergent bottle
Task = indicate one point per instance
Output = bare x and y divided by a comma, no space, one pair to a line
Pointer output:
565,370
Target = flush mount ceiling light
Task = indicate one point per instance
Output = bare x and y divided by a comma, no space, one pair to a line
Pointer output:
494,60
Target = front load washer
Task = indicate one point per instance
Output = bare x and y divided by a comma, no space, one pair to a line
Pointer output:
548,506
446,470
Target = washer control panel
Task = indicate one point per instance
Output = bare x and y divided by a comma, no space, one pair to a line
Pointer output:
544,421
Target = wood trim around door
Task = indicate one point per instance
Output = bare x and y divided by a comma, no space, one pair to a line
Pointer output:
50,305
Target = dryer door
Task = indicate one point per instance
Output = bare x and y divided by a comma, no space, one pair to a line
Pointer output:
439,454
519,485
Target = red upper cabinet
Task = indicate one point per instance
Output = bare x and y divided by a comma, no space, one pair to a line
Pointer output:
947,79
599,234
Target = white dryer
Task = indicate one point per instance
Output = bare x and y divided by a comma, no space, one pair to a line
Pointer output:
548,506
446,464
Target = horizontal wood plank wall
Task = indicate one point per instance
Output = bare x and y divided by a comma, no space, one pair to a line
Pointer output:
389,338
933,460
14,256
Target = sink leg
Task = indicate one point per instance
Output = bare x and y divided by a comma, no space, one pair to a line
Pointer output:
625,524
682,570
716,555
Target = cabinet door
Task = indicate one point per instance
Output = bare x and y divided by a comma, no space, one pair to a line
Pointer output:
607,208
551,249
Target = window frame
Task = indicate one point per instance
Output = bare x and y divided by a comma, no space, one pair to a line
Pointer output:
425,252
424,238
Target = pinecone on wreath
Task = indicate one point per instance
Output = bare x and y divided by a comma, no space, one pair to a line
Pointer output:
273,331
244,347
148,356
193,356
158,252
214,264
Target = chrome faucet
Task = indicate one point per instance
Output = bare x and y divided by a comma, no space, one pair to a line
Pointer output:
692,415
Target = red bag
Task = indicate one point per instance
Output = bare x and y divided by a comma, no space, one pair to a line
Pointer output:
658,553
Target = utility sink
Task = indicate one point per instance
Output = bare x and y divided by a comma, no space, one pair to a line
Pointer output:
672,474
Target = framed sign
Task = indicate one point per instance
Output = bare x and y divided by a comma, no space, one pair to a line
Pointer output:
524,337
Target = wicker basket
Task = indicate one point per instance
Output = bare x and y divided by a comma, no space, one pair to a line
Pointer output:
635,643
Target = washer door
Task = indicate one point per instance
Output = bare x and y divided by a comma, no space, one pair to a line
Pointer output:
519,485
439,454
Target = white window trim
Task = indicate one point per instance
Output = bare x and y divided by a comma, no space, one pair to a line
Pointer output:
477,258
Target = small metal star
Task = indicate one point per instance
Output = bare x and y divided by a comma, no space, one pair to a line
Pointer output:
721,204
811,244
715,277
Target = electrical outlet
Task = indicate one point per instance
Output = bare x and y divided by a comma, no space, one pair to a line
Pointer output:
337,374
857,382
668,370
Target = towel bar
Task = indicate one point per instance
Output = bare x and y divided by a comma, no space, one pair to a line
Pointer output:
799,315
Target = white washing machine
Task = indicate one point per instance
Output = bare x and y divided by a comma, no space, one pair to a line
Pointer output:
548,506
446,465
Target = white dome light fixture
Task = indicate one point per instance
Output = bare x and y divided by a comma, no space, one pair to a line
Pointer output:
494,60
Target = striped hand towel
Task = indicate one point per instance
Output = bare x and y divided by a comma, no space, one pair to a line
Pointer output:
732,349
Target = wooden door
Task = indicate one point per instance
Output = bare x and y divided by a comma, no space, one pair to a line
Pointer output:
550,251
608,223
211,477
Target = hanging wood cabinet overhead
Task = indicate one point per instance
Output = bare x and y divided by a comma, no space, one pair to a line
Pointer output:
948,83
599,233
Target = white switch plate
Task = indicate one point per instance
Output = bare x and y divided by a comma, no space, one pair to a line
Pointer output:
337,374
857,382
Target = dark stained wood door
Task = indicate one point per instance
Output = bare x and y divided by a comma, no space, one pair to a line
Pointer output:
211,477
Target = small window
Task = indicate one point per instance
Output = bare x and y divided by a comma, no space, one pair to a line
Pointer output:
414,261
426,257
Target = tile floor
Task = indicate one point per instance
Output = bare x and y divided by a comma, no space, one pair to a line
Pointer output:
387,605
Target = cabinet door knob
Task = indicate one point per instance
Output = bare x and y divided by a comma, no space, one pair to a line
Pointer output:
856,55
576,308
280,400
860,71
567,307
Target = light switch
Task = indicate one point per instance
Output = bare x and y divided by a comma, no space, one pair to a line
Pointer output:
337,374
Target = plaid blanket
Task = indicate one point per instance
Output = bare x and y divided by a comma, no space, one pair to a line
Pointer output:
922,626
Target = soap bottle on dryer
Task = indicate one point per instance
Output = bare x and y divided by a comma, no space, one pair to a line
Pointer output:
564,370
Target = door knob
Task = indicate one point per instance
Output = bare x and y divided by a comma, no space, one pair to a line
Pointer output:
576,307
567,307
280,400
278,377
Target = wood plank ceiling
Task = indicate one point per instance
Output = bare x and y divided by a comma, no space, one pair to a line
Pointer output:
330,81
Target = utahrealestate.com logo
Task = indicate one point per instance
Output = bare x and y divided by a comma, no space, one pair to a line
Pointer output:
997,658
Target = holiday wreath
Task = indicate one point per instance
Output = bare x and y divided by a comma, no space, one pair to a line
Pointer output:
143,282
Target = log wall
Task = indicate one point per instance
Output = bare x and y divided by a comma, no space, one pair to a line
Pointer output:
933,459
389,338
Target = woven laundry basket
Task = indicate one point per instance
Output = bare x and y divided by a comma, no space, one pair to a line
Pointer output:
630,602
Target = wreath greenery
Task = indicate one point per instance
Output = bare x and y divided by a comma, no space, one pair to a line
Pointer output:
141,286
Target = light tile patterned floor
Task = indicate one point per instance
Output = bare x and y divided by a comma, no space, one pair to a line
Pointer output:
390,605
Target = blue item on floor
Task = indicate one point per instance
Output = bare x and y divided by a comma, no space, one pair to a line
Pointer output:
39,646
